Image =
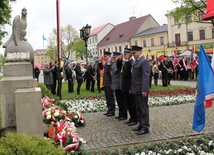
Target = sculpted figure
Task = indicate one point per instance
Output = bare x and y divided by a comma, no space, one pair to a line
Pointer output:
19,29
17,48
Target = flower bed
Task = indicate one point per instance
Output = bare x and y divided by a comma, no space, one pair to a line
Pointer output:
95,105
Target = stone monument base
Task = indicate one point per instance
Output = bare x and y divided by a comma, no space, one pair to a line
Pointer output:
29,111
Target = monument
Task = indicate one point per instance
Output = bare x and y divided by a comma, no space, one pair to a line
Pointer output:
20,95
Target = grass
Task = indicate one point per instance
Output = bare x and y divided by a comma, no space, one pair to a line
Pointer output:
86,93
1,77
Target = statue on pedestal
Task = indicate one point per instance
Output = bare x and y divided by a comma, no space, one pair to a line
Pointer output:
17,48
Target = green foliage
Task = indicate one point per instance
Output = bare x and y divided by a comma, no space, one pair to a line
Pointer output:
187,8
2,59
45,91
5,15
20,144
79,47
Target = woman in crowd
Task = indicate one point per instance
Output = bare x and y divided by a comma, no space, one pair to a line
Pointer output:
79,77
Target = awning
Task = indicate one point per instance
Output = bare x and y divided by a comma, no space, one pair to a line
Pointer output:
210,10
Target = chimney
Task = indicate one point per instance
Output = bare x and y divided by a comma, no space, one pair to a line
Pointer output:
132,18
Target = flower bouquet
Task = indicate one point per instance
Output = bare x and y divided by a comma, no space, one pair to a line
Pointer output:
53,114
77,118
63,134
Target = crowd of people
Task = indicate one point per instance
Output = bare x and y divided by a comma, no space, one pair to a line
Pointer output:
70,72
168,69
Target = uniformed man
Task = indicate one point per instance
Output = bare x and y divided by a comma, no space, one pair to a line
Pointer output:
125,85
109,93
115,85
141,70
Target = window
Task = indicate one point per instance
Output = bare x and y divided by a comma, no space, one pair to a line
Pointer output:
212,32
202,34
190,36
162,40
120,49
109,49
175,22
177,39
200,15
115,48
144,43
189,18
152,42
135,43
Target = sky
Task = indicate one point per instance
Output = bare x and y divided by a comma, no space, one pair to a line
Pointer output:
41,15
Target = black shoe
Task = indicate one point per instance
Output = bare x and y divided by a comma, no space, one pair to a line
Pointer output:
122,118
106,113
127,122
117,117
132,123
110,114
142,132
138,128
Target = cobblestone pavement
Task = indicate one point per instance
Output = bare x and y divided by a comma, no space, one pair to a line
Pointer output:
166,122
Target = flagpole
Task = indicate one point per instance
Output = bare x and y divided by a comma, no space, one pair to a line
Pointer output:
58,45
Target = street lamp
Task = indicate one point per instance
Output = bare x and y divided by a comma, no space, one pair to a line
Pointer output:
84,35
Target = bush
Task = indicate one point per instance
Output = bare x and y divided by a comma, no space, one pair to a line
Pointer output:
45,91
20,144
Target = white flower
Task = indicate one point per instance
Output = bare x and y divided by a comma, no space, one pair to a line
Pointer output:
48,117
56,114
76,116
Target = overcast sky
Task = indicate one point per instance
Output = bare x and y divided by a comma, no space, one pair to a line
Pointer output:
41,18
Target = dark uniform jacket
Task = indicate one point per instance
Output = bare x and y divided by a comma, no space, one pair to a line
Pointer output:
79,73
125,84
68,73
141,70
107,73
115,78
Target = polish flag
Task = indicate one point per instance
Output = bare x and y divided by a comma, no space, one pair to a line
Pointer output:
209,98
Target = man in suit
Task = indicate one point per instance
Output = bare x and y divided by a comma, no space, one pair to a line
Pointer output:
125,86
109,93
141,70
115,85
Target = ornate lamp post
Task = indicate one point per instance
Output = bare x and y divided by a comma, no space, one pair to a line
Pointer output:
84,35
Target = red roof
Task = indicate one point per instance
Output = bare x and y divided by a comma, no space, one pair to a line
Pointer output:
97,29
123,31
39,52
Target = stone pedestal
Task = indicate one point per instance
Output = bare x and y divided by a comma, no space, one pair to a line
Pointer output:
29,111
16,76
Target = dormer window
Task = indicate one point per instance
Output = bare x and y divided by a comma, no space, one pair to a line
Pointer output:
121,35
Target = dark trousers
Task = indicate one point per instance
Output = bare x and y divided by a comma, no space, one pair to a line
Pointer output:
92,85
122,107
53,89
165,79
110,101
142,110
98,86
169,77
59,87
70,86
79,83
87,84
129,104
49,86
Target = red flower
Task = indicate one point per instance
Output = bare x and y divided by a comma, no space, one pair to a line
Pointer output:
51,132
56,139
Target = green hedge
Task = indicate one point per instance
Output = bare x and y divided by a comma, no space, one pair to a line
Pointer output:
20,144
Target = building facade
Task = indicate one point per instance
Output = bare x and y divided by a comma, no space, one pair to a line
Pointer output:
96,35
41,58
192,34
120,36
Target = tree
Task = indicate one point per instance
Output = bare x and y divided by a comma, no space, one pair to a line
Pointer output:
189,7
5,16
79,48
68,37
